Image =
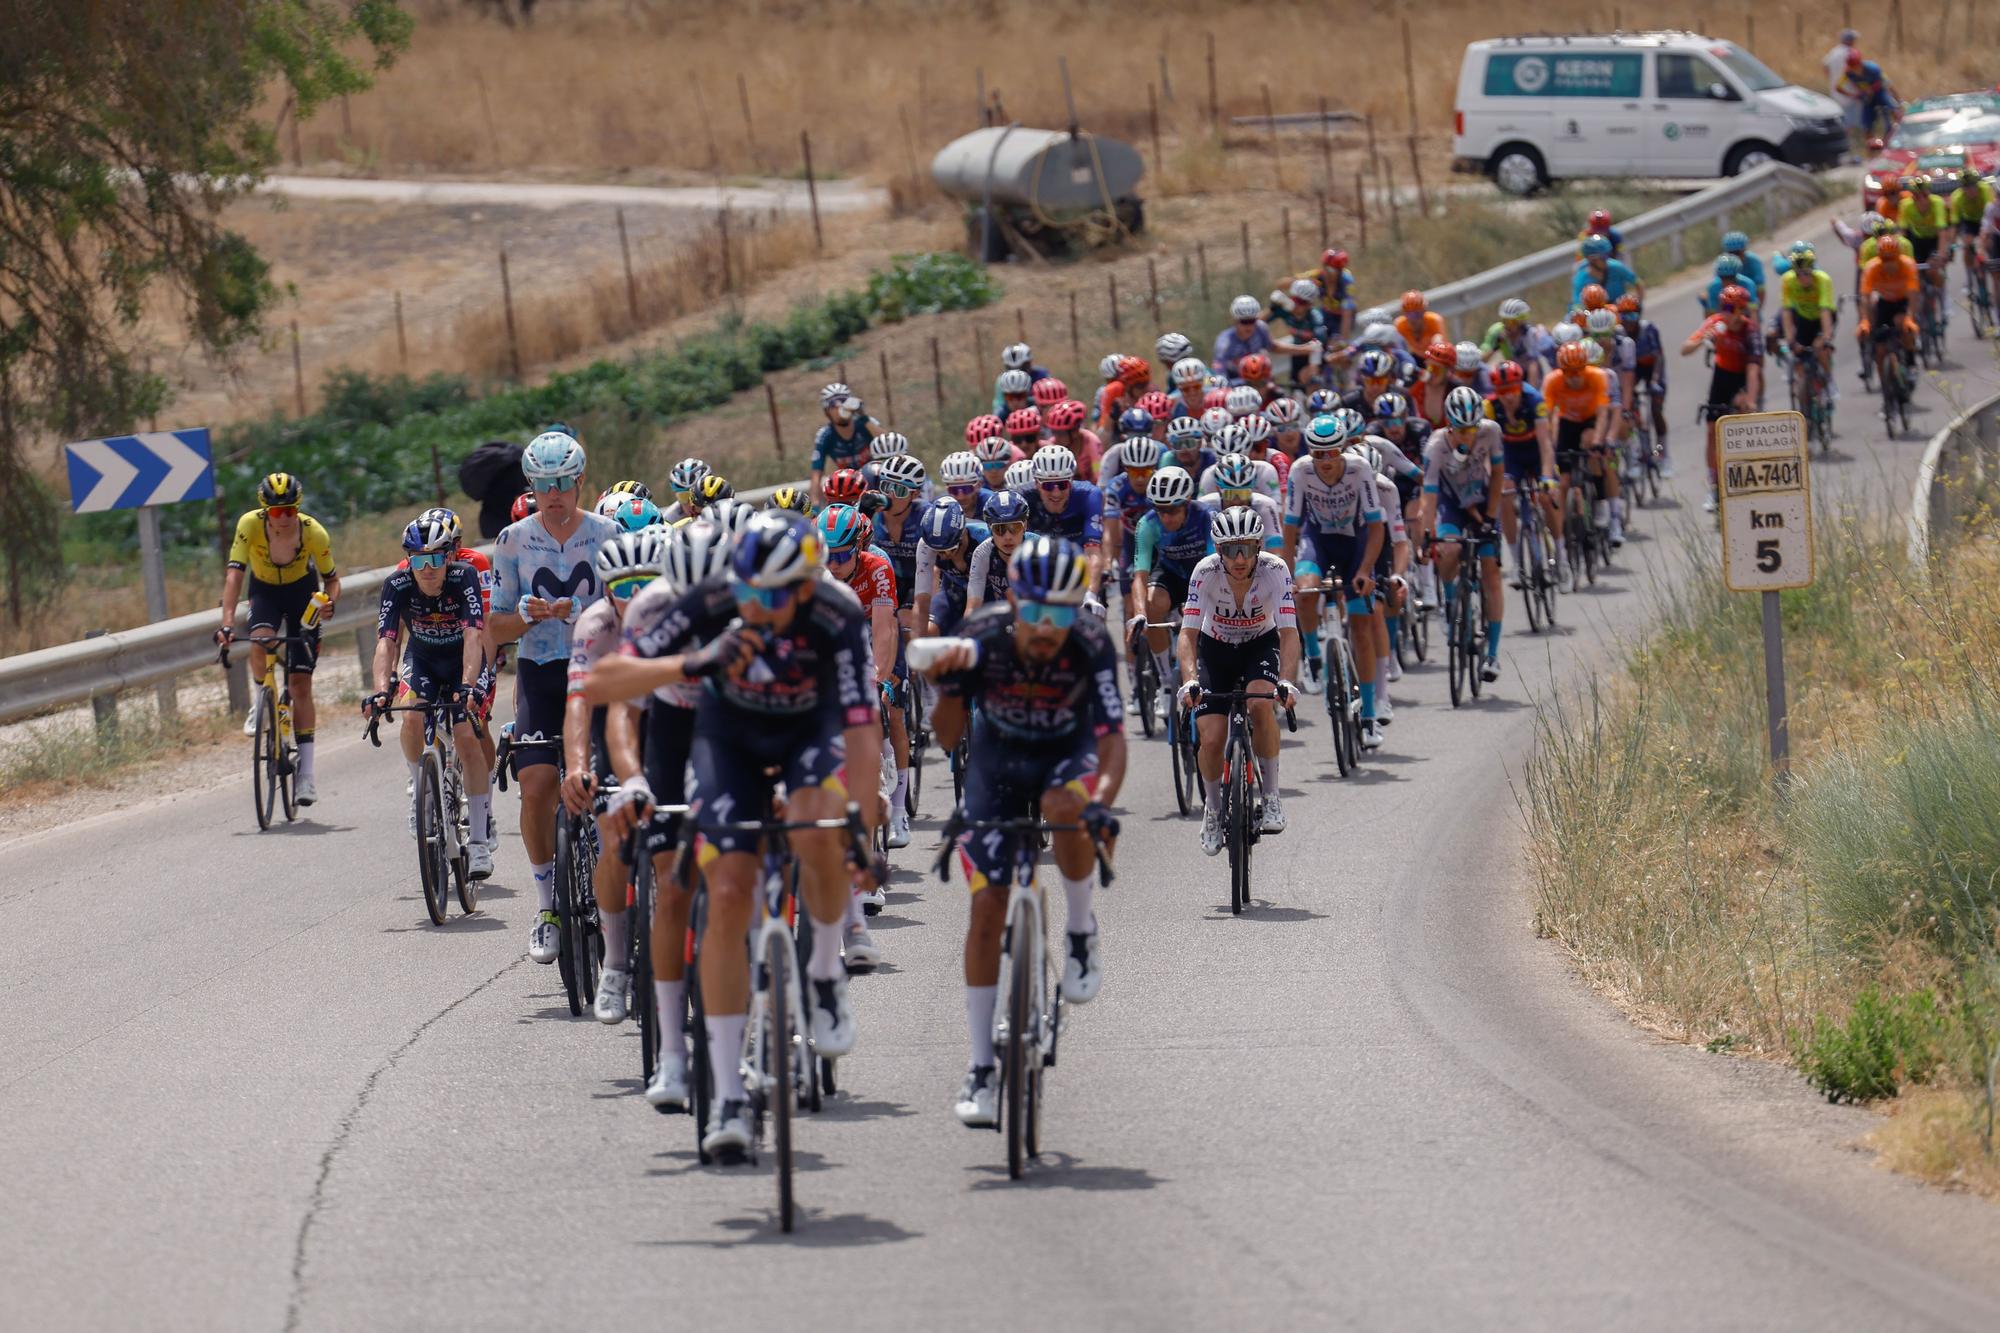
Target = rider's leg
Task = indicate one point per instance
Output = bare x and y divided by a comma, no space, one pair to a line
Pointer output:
1158,609
1364,629
478,798
1264,738
1489,587
825,881
610,881
1210,728
1607,467
725,967
1075,856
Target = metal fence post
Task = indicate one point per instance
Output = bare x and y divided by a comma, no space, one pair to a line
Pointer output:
104,707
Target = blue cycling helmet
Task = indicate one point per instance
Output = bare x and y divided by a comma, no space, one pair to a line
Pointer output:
944,526
1781,263
1322,400
1135,421
1391,404
1375,364
1333,429
1049,569
1181,430
777,550
1596,246
1871,70
432,530
1735,242
840,526
1005,507
1728,266
635,513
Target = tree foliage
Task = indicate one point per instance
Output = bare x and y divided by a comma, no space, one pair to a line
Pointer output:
125,127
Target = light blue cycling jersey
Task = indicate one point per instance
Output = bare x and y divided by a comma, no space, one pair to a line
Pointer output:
527,562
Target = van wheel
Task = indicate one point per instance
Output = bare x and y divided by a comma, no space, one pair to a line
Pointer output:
1517,169
1747,155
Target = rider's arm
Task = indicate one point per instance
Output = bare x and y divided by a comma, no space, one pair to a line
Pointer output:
975,575
576,732
621,740
1288,649
232,592
507,623
882,633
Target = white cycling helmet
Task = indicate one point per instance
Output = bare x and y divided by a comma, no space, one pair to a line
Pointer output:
1190,370
733,514
694,552
959,469
1376,364
607,503
887,445
1231,439
1466,358
1053,462
993,449
1242,400
1245,307
1020,475
1016,356
1241,524
1139,451
1171,348
630,553
834,393
1214,420
1170,486
1305,289
1256,428
1184,430
1377,333
1602,320
1368,454
552,456
1464,407
1015,381
1566,333
1234,472
905,469
1284,412
1514,308
1107,369
687,474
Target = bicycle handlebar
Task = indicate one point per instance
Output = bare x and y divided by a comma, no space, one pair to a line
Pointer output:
441,706
958,825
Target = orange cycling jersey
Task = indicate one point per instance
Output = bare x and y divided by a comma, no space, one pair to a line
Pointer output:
1579,400
1110,402
1432,330
1891,282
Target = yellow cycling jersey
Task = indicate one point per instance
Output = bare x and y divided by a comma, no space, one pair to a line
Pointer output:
1808,302
1923,223
1970,205
251,550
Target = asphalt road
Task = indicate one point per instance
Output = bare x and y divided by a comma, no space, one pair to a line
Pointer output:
249,1086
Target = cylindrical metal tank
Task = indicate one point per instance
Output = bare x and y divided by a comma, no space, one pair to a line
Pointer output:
1049,168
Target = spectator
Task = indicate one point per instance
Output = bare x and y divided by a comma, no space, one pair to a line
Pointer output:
1835,61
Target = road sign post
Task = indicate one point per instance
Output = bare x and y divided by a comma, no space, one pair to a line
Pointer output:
1767,540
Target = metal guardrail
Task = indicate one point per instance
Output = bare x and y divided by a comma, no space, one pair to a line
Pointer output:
1954,469
1766,184
73,673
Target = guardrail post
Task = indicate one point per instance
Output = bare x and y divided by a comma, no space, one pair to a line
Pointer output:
104,707
1770,214
364,653
1674,257
237,678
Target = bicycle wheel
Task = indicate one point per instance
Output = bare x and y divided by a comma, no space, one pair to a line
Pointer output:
589,935
803,1064
287,750
913,727
433,856
1422,636
1186,776
701,1074
458,835
567,962
1145,681
263,758
1530,570
1454,636
778,1057
1475,631
1350,717
1338,687
1020,1020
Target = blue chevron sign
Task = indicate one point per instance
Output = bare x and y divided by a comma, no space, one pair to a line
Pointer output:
130,471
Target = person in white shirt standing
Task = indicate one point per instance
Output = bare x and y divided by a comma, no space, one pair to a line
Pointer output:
1835,64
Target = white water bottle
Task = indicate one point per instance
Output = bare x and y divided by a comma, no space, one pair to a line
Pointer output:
922,653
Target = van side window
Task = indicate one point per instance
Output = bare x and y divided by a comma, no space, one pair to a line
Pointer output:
1689,77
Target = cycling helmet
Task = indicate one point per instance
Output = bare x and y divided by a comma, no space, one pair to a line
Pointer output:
279,488
1514,310
1170,486
553,456
638,488
1734,242
1887,247
1016,356
1214,398
1234,472
1727,267
1602,321
1255,368
777,550
1509,375
1256,428
1392,405
840,526
633,513
1184,430
1325,400
1871,70
844,487
959,469
903,470
733,515
1215,420
1024,423
642,551
1565,333
1376,364
1735,295
1594,296
1413,302
1572,356
1333,258
1155,405
993,449
1629,304
834,393
1135,421
1020,475
887,445
712,488
1015,381
944,527
524,505
1139,453
695,552
1134,370
1466,358
1066,415
1048,391
1005,507
687,474
1053,462
1596,247
430,532
1190,370
564,428
1803,255
1305,289
793,498
1049,569
1245,307
1235,526
1283,413
1441,353
1464,407
1242,400
1107,369
1171,348
1231,439
983,428
1600,220
1376,332
1329,432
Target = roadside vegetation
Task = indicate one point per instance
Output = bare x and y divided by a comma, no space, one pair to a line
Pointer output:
1848,924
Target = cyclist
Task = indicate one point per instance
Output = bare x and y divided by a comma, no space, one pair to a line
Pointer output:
1989,249
1015,357
1599,267
1237,480
437,600
843,441
1967,205
1133,422
1737,244
1061,506
1126,380
1618,356
690,555
287,558
1419,326
898,524
868,574
1239,629
1732,335
1309,328
1599,224
485,685
995,454
1926,221
944,565
1173,537
1334,529
1025,430
1125,500
1463,477
1513,338
1246,335
1259,435
1012,392
543,579
1888,286
1807,309
1649,367
1187,442
795,499
1006,528
1066,429
1881,108
963,478
1576,398
1527,455
780,651
1170,348
1190,377
1396,480
1728,272
1427,393
1287,420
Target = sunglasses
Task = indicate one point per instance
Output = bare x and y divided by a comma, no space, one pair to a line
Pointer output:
281,511
898,489
1238,551
627,588
842,557
543,485
1007,529
960,491
1042,613
429,560
768,598
1049,486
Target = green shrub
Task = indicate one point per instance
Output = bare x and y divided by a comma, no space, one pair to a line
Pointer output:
1885,1043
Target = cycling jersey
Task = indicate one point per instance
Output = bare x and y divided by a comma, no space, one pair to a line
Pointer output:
1580,400
1923,222
946,571
1089,451
872,580
1617,279
1970,205
1891,281
1462,480
1264,482
902,548
437,623
480,566
1129,501
1110,402
1266,604
529,561
598,634
1341,507
251,549
1266,508
1197,467
1071,697
1807,302
1712,301
1178,551
1525,346
1231,347
1422,334
832,451
1081,519
1517,423
1649,357
986,574
1036,374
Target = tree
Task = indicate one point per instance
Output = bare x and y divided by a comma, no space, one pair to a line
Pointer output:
125,127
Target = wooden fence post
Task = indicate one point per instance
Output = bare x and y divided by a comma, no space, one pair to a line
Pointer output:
298,372
1325,236
888,391
722,228
771,402
937,376
1214,105
1020,324
812,189
1153,285
707,129
631,284
1395,210
1153,120
402,342
1417,170
1285,225
1245,234
1075,342
507,300
1325,144
749,126
1361,209
1111,288
1201,255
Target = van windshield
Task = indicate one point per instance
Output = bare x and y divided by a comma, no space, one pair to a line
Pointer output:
1754,73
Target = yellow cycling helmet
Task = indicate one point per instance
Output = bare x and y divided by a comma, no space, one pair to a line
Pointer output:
712,488
794,498
638,488
279,488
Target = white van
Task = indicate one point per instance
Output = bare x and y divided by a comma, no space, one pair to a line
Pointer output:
1531,110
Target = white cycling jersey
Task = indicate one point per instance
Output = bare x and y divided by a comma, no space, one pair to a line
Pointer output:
1337,508
1266,507
1266,482
1265,606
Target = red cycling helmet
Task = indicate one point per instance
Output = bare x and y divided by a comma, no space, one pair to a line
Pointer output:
1600,221
524,505
1067,415
1508,375
1255,368
1048,392
1024,422
1333,259
1215,398
1735,295
1158,405
980,428
1442,353
1134,369
844,487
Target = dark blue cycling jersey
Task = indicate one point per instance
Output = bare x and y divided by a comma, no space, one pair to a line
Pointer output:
1178,551
1081,519
436,624
1130,501
1064,700
831,452
902,548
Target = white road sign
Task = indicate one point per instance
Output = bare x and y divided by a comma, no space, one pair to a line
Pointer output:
1766,502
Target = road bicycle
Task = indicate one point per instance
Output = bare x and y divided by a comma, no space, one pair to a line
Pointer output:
1465,630
1979,296
274,745
1812,394
1534,560
1651,452
911,700
1242,789
444,829
1895,373
645,1001
1343,682
1028,1028
1415,640
1930,319
1586,545
782,1070
1145,676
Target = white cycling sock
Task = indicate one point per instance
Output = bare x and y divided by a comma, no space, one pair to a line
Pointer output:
856,914
979,1002
1076,894
824,965
482,813
1267,772
725,1054
670,997
545,886
617,928
416,767
1164,660
306,759
1214,789
1382,676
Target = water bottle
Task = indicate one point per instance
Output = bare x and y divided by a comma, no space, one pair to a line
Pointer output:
315,609
922,653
